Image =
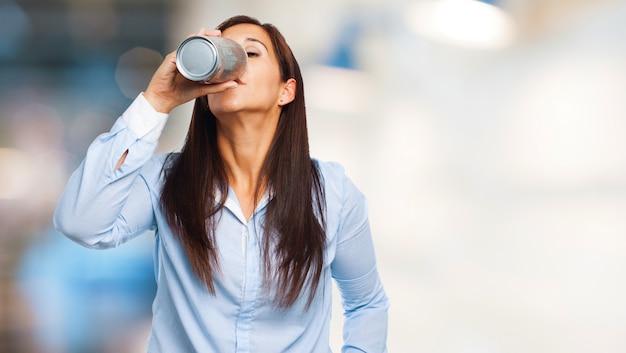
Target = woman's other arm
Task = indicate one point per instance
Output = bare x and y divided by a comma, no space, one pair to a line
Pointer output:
354,270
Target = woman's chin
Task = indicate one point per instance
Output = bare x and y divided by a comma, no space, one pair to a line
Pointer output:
224,107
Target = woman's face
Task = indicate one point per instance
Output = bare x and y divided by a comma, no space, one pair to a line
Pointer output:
260,87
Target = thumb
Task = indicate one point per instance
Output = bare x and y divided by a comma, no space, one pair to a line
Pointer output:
216,87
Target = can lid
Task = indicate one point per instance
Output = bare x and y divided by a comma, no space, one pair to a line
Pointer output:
196,58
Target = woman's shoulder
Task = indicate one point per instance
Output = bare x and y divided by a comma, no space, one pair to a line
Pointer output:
330,170
336,181
340,192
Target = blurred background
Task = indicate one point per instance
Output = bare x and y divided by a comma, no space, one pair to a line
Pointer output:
487,135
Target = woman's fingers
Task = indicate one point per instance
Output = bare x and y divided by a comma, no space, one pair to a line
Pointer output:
203,89
206,33
212,32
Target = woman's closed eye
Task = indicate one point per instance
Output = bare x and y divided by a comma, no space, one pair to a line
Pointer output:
252,54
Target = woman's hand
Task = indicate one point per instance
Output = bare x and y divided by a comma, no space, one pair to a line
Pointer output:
168,88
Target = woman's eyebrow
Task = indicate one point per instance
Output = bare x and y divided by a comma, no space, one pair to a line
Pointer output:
256,41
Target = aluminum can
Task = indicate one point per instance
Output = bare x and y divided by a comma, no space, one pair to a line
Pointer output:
211,59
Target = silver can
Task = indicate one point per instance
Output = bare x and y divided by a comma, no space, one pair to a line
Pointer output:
211,59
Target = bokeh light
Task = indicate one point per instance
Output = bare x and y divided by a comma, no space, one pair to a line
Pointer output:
469,23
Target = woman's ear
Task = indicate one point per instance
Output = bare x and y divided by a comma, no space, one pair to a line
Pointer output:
288,93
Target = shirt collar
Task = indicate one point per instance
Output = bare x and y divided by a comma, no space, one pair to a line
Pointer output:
232,203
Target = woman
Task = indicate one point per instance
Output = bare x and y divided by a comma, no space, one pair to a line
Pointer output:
249,229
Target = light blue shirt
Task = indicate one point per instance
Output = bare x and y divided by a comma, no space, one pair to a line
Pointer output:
102,207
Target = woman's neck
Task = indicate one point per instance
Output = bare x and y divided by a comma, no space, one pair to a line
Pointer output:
244,144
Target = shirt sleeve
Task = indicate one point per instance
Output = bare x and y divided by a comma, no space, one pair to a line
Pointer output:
144,120
101,206
354,270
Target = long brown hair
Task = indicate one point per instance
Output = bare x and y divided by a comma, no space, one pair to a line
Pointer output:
294,229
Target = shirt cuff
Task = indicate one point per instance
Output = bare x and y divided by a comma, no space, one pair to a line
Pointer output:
144,120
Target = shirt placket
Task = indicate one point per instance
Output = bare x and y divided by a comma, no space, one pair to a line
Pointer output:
250,287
